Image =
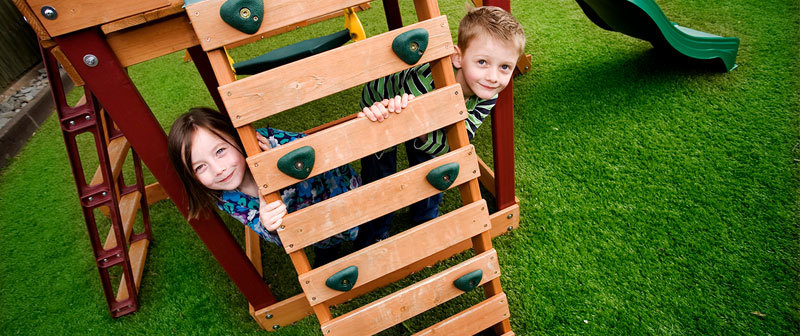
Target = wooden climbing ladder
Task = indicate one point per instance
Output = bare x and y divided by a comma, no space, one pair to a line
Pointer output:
273,91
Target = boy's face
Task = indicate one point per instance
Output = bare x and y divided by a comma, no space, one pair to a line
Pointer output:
485,66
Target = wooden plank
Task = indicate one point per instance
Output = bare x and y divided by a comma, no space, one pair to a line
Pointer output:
487,176
291,27
214,33
395,253
473,320
443,75
155,192
360,137
128,206
283,313
62,59
74,15
270,92
117,152
174,7
137,255
523,65
505,220
33,21
327,218
411,301
152,40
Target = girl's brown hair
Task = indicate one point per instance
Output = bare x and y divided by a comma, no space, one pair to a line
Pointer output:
179,148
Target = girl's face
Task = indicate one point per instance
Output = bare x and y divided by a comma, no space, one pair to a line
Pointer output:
216,163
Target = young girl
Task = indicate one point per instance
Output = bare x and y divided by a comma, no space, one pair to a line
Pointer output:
208,157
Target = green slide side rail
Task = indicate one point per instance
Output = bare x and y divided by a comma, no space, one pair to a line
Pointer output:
644,19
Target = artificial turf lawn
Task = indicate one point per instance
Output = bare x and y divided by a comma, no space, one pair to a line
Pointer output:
657,197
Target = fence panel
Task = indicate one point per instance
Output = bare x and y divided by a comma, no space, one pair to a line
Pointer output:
18,47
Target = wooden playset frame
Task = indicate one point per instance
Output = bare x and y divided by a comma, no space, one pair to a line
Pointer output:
96,43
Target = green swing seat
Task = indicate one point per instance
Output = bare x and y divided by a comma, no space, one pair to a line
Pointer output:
291,53
644,19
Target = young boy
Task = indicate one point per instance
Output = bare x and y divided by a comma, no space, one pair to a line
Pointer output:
490,41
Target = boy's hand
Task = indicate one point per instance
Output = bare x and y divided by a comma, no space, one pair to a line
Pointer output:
379,111
262,142
271,214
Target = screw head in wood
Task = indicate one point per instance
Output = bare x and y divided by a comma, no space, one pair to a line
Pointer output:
511,215
49,13
269,316
90,60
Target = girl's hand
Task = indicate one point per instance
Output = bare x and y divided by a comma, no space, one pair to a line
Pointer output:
262,142
271,214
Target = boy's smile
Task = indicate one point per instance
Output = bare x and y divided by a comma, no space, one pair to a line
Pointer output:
486,66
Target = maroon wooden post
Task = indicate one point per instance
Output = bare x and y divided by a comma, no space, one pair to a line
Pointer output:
391,8
203,65
96,63
503,136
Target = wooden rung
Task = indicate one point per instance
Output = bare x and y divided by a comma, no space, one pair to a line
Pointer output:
175,7
505,220
411,301
283,313
473,320
117,152
75,15
155,192
214,33
395,253
152,40
138,255
327,218
360,137
128,206
259,96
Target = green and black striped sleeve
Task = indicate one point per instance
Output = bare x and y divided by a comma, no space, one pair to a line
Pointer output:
477,111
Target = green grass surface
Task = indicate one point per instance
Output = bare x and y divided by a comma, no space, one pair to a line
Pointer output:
657,197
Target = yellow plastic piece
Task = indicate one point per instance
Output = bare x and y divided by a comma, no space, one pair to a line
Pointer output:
230,60
353,24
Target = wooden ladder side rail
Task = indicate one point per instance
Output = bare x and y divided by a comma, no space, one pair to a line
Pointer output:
443,75
222,71
119,97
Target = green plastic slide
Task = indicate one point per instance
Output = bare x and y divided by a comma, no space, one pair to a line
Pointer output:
644,19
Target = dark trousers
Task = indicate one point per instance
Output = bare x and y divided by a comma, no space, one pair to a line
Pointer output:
374,168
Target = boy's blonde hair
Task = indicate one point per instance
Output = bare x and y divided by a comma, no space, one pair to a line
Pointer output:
493,22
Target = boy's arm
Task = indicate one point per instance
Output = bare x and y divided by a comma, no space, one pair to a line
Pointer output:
435,143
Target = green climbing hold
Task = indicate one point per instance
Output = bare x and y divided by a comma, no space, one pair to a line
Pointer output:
442,177
343,280
297,163
410,46
244,15
469,281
